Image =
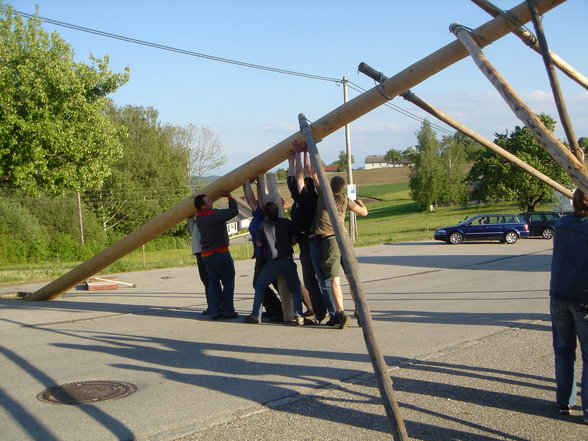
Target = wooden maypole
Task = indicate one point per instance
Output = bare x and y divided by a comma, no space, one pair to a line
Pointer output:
331,122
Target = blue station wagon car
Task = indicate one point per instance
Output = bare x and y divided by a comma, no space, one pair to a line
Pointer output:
507,228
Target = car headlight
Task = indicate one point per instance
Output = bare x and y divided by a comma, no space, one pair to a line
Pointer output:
440,231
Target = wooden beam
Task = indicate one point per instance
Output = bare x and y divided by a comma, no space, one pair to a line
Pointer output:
333,121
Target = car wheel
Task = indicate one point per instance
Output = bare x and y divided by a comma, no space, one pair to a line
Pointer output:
547,233
511,237
455,238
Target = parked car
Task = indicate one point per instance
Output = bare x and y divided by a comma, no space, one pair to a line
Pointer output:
507,228
541,223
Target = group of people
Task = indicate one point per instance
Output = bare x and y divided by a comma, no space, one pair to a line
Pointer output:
274,238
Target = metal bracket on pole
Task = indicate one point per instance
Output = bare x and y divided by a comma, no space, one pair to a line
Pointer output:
351,269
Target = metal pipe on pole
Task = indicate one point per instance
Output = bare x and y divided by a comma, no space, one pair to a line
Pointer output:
352,216
352,271
427,107
530,40
573,167
331,122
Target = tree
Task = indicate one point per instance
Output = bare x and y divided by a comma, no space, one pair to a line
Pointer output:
393,156
341,163
496,179
454,171
204,148
583,142
151,176
54,135
426,174
470,147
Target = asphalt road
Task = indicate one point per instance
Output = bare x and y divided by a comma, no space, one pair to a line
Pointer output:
465,330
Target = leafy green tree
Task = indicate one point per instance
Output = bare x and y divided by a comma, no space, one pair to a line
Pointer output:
583,142
151,177
54,135
393,156
455,170
282,174
496,179
341,163
470,147
426,176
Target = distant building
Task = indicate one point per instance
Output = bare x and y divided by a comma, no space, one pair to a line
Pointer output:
379,161
330,168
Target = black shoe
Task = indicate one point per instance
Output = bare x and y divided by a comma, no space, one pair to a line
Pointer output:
319,318
229,316
310,321
342,320
216,317
565,409
206,312
251,319
276,319
332,321
309,313
357,318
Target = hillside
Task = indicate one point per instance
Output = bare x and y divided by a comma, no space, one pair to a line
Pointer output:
378,176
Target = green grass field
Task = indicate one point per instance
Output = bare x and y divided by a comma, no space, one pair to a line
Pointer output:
393,217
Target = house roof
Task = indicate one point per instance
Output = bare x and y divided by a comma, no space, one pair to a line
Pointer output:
330,168
371,159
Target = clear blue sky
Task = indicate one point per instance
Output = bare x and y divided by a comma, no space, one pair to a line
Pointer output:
252,110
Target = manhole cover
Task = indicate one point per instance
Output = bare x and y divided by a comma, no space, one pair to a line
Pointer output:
86,392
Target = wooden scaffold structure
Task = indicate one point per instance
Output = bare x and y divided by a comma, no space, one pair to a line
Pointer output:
468,43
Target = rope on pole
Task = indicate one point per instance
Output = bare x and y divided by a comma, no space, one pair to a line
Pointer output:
351,269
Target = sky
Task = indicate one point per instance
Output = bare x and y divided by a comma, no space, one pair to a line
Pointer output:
251,110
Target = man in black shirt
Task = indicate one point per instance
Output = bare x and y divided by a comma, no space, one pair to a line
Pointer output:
302,190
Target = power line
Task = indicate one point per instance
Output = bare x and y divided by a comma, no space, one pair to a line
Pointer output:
178,50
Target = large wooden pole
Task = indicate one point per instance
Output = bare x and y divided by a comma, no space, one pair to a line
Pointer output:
331,122
352,271
530,40
572,166
427,107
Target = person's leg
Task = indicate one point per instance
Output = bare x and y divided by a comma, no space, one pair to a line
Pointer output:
337,293
203,278
581,315
271,302
214,286
306,300
323,283
564,347
310,282
265,277
288,270
226,269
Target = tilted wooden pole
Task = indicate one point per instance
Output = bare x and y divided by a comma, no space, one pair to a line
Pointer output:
352,271
331,122
427,107
530,40
572,166
554,82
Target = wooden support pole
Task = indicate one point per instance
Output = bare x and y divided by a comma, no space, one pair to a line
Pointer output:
352,271
554,82
427,107
530,40
573,167
331,122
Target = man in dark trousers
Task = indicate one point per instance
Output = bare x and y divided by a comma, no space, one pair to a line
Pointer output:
197,251
220,268
277,236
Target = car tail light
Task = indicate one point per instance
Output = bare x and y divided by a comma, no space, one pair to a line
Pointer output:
526,227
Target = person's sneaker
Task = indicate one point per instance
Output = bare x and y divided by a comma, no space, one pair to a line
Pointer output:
309,313
565,409
230,315
310,321
216,316
342,320
251,319
356,314
319,318
332,321
299,320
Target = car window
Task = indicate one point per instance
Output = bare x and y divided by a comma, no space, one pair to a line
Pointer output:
511,219
551,216
537,217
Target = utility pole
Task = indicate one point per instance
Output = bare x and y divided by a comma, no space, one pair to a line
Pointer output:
81,218
352,216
